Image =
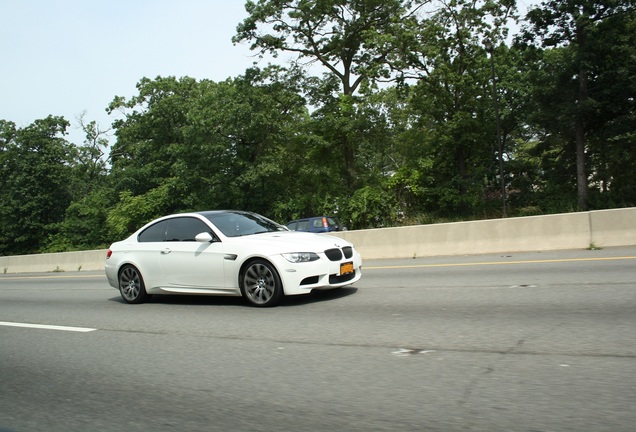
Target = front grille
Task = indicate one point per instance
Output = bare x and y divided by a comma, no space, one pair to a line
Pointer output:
348,251
333,254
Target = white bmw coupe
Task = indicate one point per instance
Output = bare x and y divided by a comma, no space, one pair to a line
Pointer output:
233,253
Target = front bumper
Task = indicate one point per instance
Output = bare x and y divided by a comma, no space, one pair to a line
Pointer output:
323,274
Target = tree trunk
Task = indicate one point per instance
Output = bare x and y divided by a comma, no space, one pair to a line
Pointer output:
581,176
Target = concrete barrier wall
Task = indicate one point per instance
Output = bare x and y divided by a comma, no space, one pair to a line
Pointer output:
613,227
52,262
602,228
565,231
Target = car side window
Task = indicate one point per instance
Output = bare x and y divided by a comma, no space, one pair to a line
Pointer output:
292,226
303,225
185,229
154,233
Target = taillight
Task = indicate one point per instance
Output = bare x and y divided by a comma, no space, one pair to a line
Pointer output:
109,253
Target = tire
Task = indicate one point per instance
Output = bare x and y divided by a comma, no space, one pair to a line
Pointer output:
131,285
260,284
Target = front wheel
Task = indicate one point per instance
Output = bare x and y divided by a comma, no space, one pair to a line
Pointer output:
131,285
260,284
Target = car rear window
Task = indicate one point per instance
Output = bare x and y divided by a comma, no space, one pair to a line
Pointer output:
154,233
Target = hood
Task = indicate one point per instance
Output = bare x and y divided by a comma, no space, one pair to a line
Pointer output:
294,241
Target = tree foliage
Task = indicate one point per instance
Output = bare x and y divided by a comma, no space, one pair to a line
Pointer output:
356,42
35,174
574,26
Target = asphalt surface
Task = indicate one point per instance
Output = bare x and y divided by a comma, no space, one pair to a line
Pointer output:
507,342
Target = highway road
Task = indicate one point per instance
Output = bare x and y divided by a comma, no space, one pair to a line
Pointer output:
513,342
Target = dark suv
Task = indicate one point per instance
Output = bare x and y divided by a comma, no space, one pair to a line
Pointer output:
316,224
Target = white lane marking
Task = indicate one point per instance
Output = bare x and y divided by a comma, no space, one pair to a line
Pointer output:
403,352
47,327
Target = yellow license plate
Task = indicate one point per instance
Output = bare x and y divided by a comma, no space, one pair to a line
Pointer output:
346,268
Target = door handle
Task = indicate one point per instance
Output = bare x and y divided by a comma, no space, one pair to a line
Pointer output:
166,251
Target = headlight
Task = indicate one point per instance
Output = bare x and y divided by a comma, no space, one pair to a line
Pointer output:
299,257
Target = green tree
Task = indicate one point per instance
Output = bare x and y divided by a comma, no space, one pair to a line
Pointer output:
186,145
612,145
575,26
524,181
150,134
245,136
147,158
355,41
91,166
35,178
84,225
451,108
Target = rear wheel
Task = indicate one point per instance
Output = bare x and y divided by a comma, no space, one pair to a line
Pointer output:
131,285
260,284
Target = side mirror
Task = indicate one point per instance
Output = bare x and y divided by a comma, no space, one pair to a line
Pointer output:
204,237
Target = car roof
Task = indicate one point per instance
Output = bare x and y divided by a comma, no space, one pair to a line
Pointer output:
313,217
214,212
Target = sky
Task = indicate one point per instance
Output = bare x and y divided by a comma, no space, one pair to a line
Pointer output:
69,57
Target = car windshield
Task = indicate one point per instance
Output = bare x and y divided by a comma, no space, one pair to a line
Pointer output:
236,224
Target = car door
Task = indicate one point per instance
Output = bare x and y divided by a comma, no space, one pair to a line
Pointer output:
187,263
146,254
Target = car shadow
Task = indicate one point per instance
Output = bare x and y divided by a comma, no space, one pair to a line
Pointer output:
189,300
318,296
202,300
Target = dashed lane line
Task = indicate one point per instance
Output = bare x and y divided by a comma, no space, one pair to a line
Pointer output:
47,327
